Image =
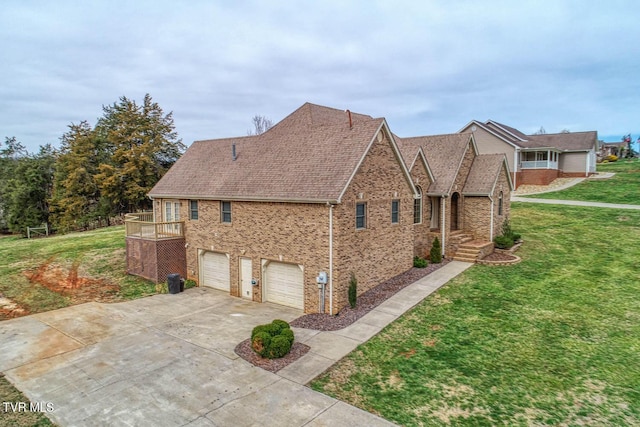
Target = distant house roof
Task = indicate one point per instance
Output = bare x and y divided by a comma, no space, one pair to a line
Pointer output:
445,154
309,156
484,174
567,141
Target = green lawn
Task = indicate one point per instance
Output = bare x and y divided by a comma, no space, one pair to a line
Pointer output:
98,255
18,418
554,340
624,187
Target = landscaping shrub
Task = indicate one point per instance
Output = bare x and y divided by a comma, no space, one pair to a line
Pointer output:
272,340
612,158
353,290
419,262
162,288
508,232
503,242
261,342
280,346
435,255
188,284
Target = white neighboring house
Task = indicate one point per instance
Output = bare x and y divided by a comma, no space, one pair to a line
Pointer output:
537,159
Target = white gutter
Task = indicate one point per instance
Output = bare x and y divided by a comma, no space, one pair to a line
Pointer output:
444,222
331,259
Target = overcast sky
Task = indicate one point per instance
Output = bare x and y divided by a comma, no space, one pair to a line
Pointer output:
428,67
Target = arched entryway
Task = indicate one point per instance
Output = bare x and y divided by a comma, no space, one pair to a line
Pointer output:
455,198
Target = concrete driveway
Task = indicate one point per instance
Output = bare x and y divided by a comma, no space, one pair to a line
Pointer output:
165,360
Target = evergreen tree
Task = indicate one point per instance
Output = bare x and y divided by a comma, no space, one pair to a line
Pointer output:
142,144
76,200
27,192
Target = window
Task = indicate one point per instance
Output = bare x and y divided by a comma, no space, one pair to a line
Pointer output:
395,211
361,215
225,211
171,211
193,209
417,207
500,204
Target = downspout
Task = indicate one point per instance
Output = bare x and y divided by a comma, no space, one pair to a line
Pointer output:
443,219
515,168
491,223
330,259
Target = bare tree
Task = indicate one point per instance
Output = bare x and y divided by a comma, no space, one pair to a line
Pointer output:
540,131
565,130
261,124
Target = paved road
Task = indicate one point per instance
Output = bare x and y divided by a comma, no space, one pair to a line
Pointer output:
574,203
169,360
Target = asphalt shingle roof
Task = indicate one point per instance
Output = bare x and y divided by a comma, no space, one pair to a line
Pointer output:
308,156
484,173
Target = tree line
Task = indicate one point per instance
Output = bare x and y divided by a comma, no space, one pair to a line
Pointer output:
98,172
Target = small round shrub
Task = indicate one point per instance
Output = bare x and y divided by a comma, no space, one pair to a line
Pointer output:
261,342
188,284
287,333
612,158
280,346
503,242
419,262
281,324
272,340
259,328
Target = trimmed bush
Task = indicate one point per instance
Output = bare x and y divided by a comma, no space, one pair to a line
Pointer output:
419,262
280,346
272,340
353,290
260,343
436,252
287,333
503,242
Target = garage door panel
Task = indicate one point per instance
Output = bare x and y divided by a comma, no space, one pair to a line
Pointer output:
284,284
215,271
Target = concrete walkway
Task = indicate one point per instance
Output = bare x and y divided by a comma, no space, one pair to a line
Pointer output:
168,360
574,203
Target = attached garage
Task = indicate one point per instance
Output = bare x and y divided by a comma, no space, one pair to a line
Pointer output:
284,284
215,270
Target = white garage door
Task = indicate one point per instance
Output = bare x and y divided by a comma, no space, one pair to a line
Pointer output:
215,271
284,284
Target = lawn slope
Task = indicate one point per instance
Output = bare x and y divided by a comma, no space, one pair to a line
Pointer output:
553,340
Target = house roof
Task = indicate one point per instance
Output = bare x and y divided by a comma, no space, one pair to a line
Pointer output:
309,156
445,154
570,141
484,174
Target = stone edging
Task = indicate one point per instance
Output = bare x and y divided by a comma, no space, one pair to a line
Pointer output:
516,259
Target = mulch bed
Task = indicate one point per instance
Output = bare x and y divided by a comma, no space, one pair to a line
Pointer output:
245,351
325,322
499,256
366,302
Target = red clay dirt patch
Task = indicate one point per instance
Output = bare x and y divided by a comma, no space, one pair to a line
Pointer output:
10,309
67,282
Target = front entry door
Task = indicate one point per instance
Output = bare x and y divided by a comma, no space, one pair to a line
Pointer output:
246,271
454,211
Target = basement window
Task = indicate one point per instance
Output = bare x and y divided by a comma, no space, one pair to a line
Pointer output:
361,215
225,211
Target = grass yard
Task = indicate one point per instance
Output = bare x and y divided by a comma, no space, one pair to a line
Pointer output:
9,394
48,273
623,187
553,340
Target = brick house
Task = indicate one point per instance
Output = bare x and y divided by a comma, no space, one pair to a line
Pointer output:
323,192
537,159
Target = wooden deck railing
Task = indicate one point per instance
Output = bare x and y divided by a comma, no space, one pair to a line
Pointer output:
141,225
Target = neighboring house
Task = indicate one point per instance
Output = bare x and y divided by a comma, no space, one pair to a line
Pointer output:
612,148
537,159
324,192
